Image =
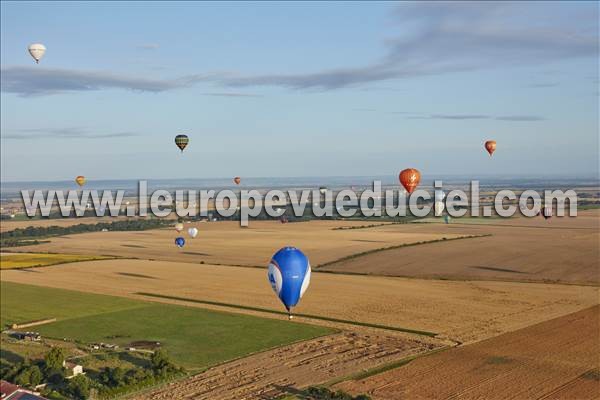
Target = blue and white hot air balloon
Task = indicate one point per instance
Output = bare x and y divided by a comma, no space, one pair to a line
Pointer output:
180,242
289,275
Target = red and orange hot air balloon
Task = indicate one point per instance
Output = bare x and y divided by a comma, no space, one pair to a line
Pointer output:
237,180
410,178
490,146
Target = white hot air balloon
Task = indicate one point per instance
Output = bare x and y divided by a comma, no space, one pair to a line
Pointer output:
193,232
179,227
37,51
439,208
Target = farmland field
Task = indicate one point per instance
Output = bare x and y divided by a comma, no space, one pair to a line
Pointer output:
463,310
227,243
556,359
28,260
195,338
519,249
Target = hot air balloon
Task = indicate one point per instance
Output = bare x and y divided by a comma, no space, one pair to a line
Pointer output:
410,178
283,219
80,180
179,227
237,180
37,51
439,195
181,141
193,232
180,242
447,219
547,212
490,146
289,275
439,208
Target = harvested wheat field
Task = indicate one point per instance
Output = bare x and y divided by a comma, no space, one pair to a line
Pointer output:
556,359
228,243
462,310
519,249
268,374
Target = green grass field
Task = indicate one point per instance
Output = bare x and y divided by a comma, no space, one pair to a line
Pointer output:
195,338
28,260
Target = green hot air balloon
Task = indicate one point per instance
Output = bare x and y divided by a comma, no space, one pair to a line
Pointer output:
181,141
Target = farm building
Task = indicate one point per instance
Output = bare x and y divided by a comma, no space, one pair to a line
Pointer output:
30,336
8,391
73,369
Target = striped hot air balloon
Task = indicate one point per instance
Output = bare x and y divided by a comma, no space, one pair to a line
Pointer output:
181,141
80,180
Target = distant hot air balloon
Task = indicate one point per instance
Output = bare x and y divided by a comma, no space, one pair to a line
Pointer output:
289,275
447,219
179,227
547,212
193,232
237,180
180,242
490,146
283,219
439,195
410,178
80,180
181,141
37,51
439,208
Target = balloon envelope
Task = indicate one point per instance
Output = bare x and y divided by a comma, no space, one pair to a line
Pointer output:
447,219
193,232
547,212
289,275
179,227
80,180
180,242
439,208
410,178
37,51
490,146
237,180
181,141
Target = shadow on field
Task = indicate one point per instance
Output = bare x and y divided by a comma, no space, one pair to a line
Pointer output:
10,357
136,275
29,269
135,246
496,269
195,253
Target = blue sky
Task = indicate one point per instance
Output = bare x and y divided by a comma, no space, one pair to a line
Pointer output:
298,89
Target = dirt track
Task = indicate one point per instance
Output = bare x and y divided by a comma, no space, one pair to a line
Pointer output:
268,374
520,249
551,360
464,311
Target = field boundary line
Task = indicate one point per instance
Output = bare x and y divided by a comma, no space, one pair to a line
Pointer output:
270,311
385,367
399,246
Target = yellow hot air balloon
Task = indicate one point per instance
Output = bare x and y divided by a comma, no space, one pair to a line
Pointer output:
80,180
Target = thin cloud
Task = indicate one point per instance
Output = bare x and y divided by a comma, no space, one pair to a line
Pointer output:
542,85
231,94
458,117
34,81
521,118
148,46
63,133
